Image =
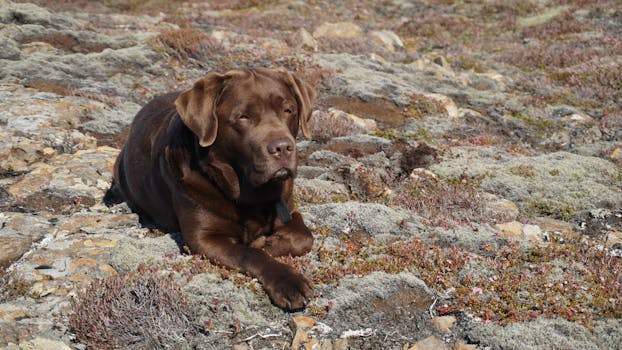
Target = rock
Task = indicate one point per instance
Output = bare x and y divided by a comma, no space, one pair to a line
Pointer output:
39,343
554,227
558,184
111,121
31,14
130,252
460,345
37,47
515,230
320,191
613,239
376,220
532,233
222,302
303,39
10,50
429,343
18,231
374,301
547,333
444,324
497,207
300,324
83,177
511,230
339,30
12,248
367,126
387,39
543,17
445,103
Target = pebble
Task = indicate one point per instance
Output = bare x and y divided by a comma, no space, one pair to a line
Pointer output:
339,30
429,343
368,126
387,39
303,39
444,324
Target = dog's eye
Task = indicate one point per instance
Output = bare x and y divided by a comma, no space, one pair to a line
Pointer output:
243,116
288,111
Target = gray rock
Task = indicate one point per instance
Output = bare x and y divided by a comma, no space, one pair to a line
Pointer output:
377,220
326,158
366,79
20,13
379,301
130,252
321,188
559,184
547,334
111,121
10,49
17,233
221,302
91,72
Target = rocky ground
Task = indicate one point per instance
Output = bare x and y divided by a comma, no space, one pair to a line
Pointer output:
464,181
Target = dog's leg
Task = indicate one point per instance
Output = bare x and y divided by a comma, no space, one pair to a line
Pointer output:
293,238
287,288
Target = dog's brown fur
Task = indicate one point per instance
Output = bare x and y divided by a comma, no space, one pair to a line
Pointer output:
213,161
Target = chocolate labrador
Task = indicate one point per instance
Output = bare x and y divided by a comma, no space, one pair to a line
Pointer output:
216,163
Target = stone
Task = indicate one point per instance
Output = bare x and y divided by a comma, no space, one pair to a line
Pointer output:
341,344
12,248
429,343
339,30
376,220
614,238
532,233
87,173
511,230
558,184
367,126
547,333
460,345
40,343
387,39
444,324
446,103
497,207
303,39
553,226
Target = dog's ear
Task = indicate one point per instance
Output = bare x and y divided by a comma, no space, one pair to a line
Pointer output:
305,95
197,107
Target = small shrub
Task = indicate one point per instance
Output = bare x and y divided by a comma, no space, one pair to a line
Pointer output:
138,310
442,203
188,43
324,126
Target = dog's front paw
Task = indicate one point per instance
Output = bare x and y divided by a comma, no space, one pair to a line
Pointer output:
287,243
288,288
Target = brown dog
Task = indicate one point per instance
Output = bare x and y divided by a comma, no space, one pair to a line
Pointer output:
217,162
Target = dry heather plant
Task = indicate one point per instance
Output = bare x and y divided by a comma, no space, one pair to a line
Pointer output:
442,203
324,126
138,310
188,43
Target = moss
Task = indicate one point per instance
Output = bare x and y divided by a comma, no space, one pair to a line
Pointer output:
524,170
543,207
542,127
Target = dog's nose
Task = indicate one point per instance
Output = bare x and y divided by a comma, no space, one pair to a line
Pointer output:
280,147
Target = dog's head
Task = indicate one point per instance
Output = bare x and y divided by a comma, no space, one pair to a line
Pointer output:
250,118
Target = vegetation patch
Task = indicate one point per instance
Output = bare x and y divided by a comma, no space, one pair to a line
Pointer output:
137,310
577,282
187,43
